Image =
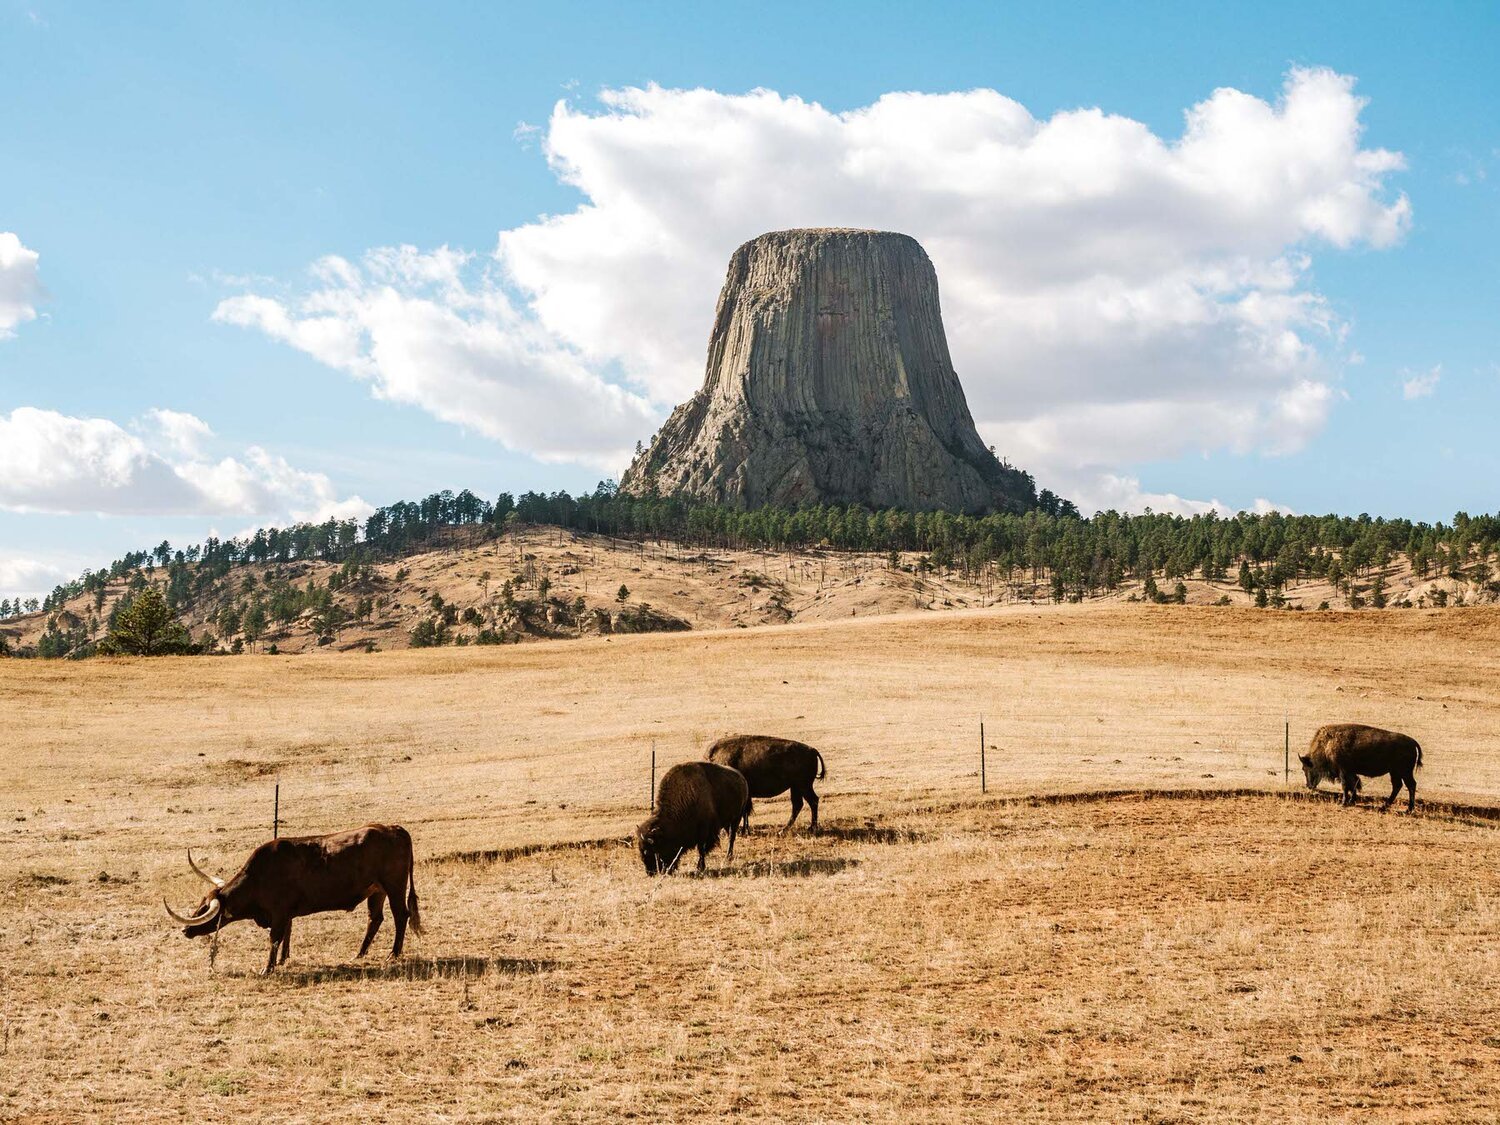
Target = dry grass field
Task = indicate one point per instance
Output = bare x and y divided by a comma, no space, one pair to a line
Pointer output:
1134,924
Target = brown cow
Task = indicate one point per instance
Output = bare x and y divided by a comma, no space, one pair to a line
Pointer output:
694,803
296,876
772,766
1345,752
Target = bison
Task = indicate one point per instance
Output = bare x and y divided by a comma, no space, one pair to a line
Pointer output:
296,876
772,766
694,803
1345,752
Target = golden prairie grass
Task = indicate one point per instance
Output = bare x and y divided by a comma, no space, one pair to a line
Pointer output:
933,955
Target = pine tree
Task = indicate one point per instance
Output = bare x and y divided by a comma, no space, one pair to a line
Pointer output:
147,628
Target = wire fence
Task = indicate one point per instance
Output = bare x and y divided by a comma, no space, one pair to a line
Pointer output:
500,790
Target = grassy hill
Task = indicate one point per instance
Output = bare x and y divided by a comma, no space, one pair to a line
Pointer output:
472,585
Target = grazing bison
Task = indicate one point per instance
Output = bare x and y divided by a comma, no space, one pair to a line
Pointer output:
772,766
296,876
1345,752
694,803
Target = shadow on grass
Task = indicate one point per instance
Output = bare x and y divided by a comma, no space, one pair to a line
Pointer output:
870,834
794,868
522,851
412,968
1474,815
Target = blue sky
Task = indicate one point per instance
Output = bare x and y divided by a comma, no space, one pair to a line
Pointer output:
172,174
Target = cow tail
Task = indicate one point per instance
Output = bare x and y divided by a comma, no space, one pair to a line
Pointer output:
413,910
822,768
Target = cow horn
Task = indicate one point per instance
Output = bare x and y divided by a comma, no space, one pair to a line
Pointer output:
210,912
202,874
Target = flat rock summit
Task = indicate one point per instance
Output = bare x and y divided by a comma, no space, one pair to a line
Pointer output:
829,381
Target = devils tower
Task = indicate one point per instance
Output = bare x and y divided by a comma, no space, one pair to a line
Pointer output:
829,381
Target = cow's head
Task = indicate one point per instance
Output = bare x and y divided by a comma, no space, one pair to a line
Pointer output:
209,914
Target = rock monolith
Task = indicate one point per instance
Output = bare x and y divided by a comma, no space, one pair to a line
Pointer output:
829,381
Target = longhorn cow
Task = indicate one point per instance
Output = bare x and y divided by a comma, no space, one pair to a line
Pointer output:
296,876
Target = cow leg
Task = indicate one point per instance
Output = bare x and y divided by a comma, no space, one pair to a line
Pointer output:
377,916
812,805
279,932
1411,790
796,809
400,914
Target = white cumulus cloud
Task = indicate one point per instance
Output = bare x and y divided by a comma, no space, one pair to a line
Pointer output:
183,433
1422,384
56,463
20,284
25,577
423,331
1111,295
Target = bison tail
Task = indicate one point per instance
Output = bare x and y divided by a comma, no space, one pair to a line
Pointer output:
1419,752
822,767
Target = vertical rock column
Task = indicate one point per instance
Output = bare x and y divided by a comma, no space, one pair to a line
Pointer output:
829,380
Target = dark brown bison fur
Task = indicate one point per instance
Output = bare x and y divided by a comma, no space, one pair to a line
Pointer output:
300,875
694,803
772,766
1345,752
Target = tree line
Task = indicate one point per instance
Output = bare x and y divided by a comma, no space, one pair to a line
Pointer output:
1079,557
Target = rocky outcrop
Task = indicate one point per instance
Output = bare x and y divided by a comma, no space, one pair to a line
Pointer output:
829,381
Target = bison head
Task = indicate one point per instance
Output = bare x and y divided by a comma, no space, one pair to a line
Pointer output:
653,853
209,914
1314,772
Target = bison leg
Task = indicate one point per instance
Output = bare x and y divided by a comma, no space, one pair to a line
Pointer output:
702,857
745,819
1395,789
286,944
377,916
1410,781
729,856
1351,789
400,913
796,809
812,806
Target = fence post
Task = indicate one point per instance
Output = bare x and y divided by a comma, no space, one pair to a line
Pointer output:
982,785
1286,751
651,797
276,812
